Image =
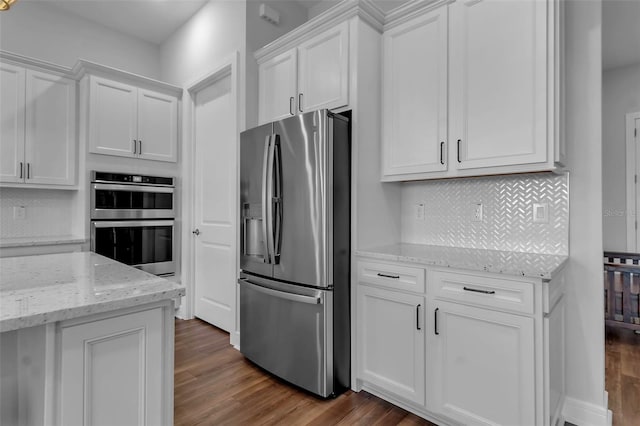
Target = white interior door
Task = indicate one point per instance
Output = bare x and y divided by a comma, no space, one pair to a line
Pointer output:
216,140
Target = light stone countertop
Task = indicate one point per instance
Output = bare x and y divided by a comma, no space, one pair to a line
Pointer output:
534,265
40,289
41,241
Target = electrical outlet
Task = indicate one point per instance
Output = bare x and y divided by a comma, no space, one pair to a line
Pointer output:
540,212
19,212
477,212
420,211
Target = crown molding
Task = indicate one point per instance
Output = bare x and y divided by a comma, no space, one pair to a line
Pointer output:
364,9
37,63
410,10
84,67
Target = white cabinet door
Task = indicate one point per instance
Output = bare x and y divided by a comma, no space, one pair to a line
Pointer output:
278,87
112,118
498,57
157,126
480,367
390,333
50,136
415,95
12,106
323,70
112,371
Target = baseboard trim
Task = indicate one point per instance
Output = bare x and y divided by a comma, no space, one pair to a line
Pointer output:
234,339
584,413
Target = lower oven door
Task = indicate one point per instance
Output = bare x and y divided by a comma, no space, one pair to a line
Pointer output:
287,330
143,244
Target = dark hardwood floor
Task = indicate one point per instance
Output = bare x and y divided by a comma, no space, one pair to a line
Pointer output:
623,375
215,385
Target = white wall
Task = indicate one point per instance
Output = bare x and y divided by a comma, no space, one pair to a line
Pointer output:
584,296
44,32
620,95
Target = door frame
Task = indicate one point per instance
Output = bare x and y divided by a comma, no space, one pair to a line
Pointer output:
632,163
227,68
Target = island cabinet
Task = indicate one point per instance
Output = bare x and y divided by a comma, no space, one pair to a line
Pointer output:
38,141
460,347
472,88
116,369
312,75
129,115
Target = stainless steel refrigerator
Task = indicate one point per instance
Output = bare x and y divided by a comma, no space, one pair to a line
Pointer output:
295,195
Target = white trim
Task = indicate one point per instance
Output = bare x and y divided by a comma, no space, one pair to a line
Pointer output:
585,413
631,203
228,67
37,63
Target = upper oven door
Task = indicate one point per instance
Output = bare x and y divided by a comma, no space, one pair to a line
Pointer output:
117,201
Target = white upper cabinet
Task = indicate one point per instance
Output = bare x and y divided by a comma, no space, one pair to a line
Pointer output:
310,76
503,84
498,82
278,86
112,119
323,70
157,126
130,121
415,95
38,114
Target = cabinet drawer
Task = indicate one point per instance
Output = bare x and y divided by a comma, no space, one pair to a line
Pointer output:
500,293
394,276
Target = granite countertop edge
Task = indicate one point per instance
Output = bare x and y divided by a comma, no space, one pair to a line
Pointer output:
41,318
479,264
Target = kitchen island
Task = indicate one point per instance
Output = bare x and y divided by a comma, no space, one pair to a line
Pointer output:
84,340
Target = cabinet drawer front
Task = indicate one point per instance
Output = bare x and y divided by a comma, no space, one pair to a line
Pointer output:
503,294
392,276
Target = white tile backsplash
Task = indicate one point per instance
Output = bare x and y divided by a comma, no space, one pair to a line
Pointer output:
507,209
47,212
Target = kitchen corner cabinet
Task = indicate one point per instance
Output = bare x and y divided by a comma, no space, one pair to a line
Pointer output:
115,370
38,136
461,347
310,76
487,90
130,121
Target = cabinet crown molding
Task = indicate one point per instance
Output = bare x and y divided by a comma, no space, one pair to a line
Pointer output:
347,9
37,64
84,67
410,10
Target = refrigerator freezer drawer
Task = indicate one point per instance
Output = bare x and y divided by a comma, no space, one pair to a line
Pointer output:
287,330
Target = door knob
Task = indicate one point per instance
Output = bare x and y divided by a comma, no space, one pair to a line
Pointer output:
196,231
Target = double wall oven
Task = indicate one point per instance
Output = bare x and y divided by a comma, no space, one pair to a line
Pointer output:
133,220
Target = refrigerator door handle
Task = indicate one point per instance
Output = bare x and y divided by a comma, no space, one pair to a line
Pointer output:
269,200
311,300
265,199
277,198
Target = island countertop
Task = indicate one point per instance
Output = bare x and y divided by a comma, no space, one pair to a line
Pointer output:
40,289
534,265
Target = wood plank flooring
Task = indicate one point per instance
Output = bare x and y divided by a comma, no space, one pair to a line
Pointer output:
623,375
215,385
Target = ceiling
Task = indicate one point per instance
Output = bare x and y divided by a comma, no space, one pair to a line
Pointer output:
620,33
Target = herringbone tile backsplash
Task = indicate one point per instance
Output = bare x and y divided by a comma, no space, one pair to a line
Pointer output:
507,209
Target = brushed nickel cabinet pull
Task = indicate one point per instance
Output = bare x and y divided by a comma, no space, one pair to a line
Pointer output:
435,321
300,102
140,147
418,317
21,173
28,170
459,140
135,146
291,105
442,153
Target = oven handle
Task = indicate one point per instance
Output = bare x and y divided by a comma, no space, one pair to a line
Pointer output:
132,188
126,223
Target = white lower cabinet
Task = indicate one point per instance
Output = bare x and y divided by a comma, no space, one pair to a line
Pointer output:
116,371
471,348
481,365
391,341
